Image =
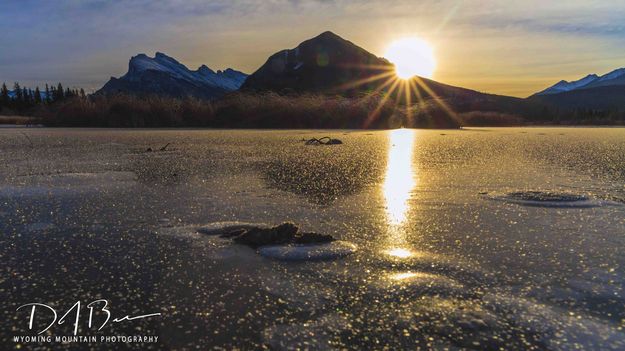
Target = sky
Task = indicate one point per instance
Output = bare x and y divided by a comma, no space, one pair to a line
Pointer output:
504,47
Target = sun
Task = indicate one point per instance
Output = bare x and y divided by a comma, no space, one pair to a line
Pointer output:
412,57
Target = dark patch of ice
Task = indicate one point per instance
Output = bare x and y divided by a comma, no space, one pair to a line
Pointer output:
547,199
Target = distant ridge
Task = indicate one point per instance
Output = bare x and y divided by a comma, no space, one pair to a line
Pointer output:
606,93
164,75
616,77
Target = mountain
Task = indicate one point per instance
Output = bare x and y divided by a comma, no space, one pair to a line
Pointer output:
329,64
563,85
603,98
616,77
321,64
606,93
163,75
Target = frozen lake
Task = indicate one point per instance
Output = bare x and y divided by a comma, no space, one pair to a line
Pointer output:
481,239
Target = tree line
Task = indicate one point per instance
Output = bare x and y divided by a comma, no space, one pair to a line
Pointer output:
21,99
56,106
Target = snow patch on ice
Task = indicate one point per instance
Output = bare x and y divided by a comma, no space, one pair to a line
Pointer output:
308,252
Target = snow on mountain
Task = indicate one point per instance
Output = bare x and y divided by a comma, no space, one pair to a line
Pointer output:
12,94
616,77
612,75
563,85
229,79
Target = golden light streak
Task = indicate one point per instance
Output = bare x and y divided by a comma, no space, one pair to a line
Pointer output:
403,90
400,178
408,97
436,99
359,82
373,115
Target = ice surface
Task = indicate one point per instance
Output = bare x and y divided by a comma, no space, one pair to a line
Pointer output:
439,264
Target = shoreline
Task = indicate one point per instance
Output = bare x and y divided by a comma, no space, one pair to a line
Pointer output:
312,129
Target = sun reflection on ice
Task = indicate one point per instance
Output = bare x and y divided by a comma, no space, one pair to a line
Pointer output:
398,185
400,252
399,180
403,276
425,278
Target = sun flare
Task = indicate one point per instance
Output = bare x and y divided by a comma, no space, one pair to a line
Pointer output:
412,57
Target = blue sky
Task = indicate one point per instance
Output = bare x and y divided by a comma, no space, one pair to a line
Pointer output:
503,47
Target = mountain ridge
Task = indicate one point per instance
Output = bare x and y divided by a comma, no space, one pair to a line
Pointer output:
615,77
164,75
593,92
328,64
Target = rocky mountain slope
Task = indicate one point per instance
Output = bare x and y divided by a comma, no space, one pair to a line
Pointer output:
163,75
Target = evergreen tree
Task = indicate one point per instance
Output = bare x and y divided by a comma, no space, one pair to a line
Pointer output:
48,96
4,95
25,96
37,95
17,90
82,93
68,93
59,93
52,94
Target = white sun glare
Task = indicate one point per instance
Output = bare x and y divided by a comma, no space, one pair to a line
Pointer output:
412,57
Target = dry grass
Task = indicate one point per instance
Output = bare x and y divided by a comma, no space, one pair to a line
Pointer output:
268,110
265,110
489,118
19,120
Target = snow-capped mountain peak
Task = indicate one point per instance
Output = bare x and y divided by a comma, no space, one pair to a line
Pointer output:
161,63
564,85
616,77
167,64
155,73
617,73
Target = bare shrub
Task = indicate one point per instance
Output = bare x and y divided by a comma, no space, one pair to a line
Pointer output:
489,118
